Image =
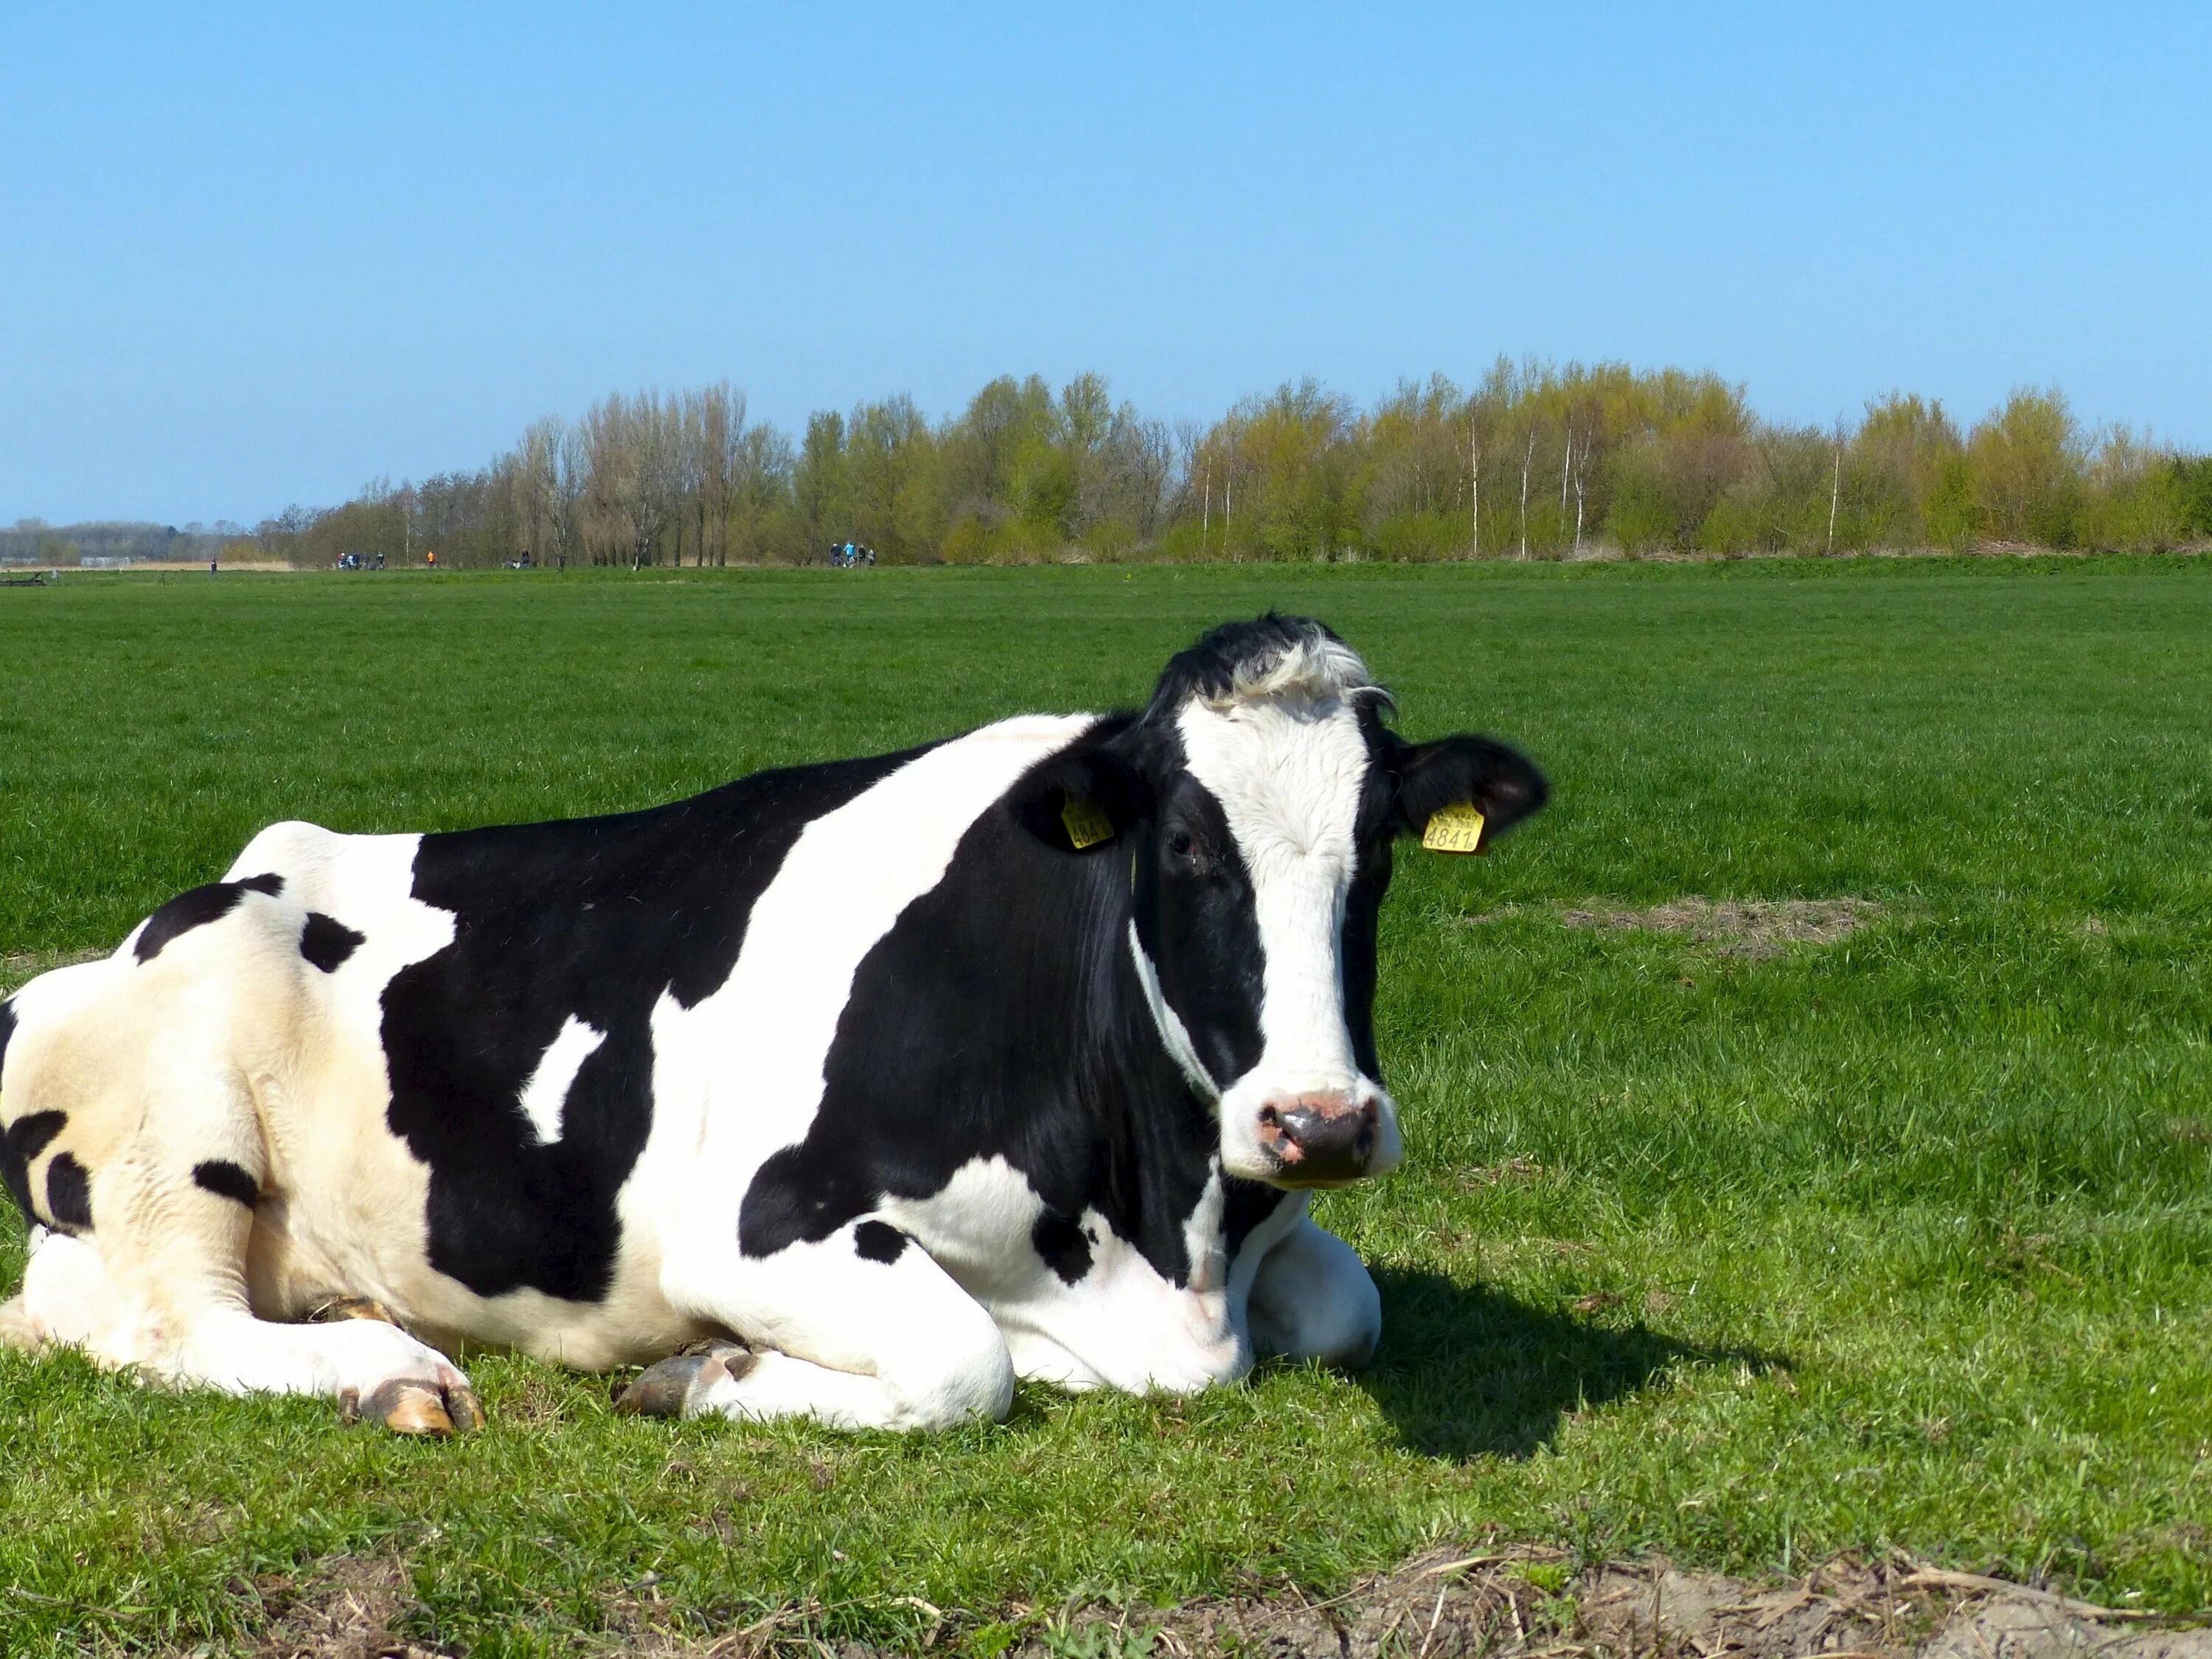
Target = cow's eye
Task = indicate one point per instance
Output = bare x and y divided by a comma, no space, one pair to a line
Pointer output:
1182,845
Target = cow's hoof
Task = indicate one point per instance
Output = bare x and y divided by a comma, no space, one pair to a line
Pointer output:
675,1386
466,1411
407,1407
352,1307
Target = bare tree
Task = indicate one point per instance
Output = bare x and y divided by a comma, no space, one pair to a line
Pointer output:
1528,460
1835,491
1474,480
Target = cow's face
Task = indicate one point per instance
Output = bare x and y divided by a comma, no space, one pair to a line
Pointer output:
1256,802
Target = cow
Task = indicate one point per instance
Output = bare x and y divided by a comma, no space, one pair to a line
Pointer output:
852,1091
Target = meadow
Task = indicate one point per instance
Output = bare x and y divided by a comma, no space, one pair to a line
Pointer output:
1712,1240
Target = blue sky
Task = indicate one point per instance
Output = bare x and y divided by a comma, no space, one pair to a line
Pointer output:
250,257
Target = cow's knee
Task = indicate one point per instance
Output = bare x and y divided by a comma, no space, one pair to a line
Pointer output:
1313,1298
70,1300
863,1329
967,1374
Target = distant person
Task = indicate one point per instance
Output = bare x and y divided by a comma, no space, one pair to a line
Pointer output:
430,558
211,559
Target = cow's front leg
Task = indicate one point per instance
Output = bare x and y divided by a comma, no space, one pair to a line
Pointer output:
1313,1299
860,1330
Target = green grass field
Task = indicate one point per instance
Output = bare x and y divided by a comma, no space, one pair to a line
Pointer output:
1900,1240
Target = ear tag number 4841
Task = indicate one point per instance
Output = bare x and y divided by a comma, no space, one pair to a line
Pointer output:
1085,823
1453,828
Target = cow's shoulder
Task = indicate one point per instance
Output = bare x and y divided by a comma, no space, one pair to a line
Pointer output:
990,1026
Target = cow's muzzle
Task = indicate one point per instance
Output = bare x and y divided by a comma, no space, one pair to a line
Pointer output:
1324,1138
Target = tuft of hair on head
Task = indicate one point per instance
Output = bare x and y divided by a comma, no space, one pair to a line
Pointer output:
1274,658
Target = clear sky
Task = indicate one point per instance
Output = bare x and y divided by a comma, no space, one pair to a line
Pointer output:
254,256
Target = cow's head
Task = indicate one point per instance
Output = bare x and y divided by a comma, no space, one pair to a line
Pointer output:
1253,805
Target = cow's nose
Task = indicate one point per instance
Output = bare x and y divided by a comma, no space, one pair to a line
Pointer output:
1323,1138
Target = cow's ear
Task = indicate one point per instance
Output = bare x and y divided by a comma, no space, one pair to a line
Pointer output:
1081,800
1496,781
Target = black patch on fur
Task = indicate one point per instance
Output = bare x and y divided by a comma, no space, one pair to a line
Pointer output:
68,1195
1197,921
224,1179
196,909
1001,1016
593,918
1060,1240
879,1241
26,1138
327,942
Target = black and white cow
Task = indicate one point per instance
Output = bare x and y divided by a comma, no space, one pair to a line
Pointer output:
874,1085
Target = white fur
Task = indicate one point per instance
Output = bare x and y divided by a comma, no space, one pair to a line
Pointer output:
1175,1036
1121,1325
546,1094
1312,1298
1314,669
1289,772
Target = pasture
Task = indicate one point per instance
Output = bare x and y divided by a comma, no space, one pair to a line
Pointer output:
1743,1234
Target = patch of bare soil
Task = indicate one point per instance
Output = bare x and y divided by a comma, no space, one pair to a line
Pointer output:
346,1610
1758,928
1526,1606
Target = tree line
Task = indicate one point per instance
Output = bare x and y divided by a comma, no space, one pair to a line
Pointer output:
33,541
1533,461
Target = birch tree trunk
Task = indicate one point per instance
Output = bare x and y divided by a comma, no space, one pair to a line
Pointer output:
1528,460
1835,493
1475,486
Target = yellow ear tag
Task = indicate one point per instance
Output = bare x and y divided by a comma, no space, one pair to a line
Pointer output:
1086,825
1453,828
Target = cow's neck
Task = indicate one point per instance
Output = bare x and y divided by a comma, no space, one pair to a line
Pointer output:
1156,1137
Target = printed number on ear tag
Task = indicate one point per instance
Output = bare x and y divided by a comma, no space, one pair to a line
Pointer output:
1086,825
1453,828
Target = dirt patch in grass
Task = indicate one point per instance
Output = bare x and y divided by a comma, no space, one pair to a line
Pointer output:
1758,928
1530,1604
344,1608
1519,1603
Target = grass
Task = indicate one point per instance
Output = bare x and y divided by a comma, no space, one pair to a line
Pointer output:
1903,1240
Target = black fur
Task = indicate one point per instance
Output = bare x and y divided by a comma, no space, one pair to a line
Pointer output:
1495,778
196,909
68,1195
1196,918
1061,1243
327,942
596,918
26,1138
224,1179
1001,1015
879,1241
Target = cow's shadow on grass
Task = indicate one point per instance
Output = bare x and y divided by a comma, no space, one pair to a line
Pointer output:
1467,1371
